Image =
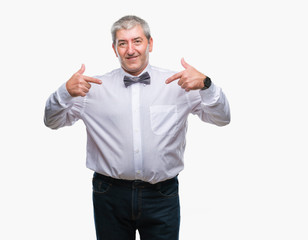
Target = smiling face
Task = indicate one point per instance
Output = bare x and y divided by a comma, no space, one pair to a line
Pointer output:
132,48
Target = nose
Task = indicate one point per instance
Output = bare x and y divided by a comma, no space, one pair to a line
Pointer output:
131,49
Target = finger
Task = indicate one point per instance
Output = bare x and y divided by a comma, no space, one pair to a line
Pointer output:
82,69
184,63
81,91
183,85
92,80
174,77
84,90
87,85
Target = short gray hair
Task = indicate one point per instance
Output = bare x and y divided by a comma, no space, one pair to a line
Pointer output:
128,22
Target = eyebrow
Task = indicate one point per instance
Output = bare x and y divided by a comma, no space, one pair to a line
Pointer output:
137,38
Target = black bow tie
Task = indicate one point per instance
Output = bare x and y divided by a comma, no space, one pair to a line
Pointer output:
143,78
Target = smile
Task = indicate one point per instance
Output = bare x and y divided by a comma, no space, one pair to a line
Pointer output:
132,58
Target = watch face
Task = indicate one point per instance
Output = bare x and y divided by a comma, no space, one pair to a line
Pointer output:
207,82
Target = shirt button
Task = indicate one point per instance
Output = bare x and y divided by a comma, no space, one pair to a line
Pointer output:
137,150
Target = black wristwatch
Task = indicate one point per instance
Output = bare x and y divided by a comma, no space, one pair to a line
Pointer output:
207,83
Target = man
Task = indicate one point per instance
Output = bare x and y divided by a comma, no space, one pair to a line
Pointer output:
136,121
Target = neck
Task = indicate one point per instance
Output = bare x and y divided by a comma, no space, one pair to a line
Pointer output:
136,73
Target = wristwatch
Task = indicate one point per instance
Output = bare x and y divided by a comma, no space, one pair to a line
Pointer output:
207,83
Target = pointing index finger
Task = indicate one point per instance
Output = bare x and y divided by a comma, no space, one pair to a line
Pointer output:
92,80
174,77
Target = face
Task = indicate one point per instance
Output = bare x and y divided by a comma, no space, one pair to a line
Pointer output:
132,48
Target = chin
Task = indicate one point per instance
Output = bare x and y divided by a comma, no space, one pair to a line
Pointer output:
132,70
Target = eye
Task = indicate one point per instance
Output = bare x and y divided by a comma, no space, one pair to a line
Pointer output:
122,44
137,41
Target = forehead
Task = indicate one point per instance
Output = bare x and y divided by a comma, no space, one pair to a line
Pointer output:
127,34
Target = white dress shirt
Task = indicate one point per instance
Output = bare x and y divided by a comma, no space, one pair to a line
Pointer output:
136,132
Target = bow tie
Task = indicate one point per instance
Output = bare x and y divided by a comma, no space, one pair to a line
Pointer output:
143,78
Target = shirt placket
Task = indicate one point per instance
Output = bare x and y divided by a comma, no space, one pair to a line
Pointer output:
136,130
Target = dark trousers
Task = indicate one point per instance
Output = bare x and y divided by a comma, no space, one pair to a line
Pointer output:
121,207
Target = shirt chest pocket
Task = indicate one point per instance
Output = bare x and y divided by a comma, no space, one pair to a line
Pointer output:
164,119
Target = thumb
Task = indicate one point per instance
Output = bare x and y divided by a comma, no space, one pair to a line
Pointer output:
82,69
184,64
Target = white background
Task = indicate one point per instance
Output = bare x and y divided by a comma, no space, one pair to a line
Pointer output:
247,180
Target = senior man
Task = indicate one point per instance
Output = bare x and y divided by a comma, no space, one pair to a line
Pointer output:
136,122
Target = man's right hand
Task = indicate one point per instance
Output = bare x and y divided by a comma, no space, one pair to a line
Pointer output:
79,84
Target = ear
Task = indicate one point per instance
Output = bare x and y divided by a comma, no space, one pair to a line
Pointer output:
115,50
151,44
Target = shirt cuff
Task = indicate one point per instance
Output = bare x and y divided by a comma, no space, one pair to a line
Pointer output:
63,95
210,95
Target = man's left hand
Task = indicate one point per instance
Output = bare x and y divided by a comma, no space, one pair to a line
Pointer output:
189,79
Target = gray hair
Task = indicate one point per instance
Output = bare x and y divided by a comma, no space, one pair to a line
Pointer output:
128,22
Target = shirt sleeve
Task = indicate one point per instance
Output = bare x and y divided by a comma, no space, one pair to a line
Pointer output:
62,109
211,105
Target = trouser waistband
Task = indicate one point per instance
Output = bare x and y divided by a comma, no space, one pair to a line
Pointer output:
134,183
